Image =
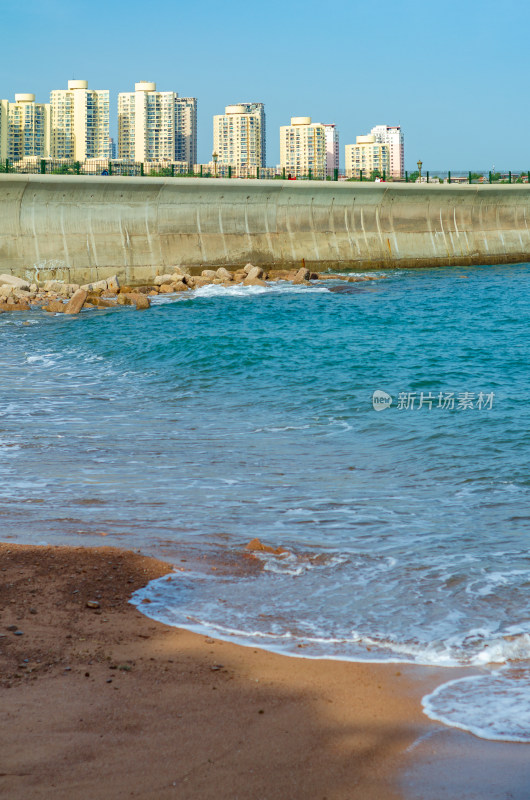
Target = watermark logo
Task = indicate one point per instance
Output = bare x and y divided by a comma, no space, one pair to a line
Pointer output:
381,400
445,401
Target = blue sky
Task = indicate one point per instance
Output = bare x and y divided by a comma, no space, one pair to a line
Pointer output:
453,74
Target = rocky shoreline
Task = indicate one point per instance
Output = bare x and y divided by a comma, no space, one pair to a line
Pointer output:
17,294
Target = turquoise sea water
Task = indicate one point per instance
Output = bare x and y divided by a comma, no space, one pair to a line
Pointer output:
227,414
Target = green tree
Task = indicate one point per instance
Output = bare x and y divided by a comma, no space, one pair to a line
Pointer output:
64,169
164,172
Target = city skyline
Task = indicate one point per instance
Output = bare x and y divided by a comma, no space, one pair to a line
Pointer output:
443,74
156,126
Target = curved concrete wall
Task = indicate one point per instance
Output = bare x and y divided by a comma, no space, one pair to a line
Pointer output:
84,228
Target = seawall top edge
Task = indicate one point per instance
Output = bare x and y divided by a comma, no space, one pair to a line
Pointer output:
263,184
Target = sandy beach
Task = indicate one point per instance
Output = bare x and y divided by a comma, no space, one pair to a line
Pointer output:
98,701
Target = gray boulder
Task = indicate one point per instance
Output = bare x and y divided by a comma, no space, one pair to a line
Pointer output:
53,286
92,287
302,276
255,272
179,272
113,284
76,302
55,307
161,279
253,281
12,280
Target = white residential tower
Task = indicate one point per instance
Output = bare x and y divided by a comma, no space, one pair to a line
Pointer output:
239,136
365,157
29,128
303,148
332,149
156,126
392,135
79,122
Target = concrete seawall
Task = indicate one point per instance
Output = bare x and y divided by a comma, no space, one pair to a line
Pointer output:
84,228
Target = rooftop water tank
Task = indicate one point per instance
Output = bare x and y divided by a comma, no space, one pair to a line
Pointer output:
145,86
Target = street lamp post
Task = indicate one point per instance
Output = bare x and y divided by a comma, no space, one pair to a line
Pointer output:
420,165
215,157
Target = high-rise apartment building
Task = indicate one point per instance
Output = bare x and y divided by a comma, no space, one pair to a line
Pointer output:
259,109
186,129
29,128
239,135
80,122
4,128
392,135
367,156
303,148
332,149
156,126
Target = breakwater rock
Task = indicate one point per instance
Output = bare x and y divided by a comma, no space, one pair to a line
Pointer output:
69,298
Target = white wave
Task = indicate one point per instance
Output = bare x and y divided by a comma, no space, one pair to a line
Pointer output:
285,643
170,297
379,275
437,647
340,423
282,429
238,290
276,287
293,564
494,706
428,655
45,360
508,648
89,357
490,584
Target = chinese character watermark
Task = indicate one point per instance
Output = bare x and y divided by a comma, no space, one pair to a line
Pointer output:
446,401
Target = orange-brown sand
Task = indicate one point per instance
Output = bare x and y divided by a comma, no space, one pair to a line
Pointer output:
105,703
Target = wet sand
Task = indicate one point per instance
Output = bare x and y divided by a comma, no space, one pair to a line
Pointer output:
102,702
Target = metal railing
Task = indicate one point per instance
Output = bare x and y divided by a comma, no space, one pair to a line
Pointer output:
468,176
178,169
162,169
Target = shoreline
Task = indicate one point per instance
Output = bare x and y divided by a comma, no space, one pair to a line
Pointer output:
99,700
56,297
